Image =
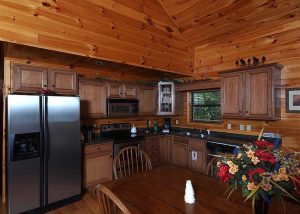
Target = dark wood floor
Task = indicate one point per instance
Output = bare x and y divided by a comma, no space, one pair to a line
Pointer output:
87,205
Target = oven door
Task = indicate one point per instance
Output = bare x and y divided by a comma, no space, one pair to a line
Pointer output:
119,146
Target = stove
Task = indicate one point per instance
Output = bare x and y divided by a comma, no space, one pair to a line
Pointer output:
120,133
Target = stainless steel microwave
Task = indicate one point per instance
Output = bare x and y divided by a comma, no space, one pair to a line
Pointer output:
122,107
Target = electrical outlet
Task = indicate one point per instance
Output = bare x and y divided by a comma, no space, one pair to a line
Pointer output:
176,122
242,127
229,126
249,127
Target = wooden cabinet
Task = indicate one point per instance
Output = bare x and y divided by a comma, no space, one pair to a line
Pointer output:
165,148
61,81
92,98
147,100
97,164
179,101
32,79
152,149
232,95
260,95
179,155
28,79
197,155
116,90
251,93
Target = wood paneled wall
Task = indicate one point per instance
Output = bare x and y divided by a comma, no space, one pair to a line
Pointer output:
281,46
133,32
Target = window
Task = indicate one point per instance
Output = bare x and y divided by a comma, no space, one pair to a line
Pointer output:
205,106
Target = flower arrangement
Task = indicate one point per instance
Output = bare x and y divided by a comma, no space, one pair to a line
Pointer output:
261,171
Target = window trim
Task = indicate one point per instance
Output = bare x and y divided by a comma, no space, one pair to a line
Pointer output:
191,117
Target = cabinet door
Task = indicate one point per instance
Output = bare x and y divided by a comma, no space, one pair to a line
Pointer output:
258,93
98,168
232,95
165,149
129,91
28,79
179,102
92,99
166,98
115,90
147,100
197,159
179,155
62,82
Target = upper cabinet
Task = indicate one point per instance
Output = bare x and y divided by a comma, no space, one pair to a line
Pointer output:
251,93
147,100
61,81
117,90
166,98
31,79
92,98
232,95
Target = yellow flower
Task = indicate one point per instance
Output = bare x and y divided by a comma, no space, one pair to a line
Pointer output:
255,160
280,177
250,153
244,178
250,186
230,163
239,155
233,169
282,170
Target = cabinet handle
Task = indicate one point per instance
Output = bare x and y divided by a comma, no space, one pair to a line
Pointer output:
45,85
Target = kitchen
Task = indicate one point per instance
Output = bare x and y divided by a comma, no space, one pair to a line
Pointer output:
142,62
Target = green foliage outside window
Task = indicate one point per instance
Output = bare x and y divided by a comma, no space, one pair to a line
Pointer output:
206,106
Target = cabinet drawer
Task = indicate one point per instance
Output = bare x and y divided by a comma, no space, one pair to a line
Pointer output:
152,146
98,148
178,139
152,139
152,153
198,143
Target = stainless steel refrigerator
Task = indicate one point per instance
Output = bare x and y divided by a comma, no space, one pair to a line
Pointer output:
43,151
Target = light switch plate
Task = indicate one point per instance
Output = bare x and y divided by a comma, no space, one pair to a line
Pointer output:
229,126
176,122
249,127
242,127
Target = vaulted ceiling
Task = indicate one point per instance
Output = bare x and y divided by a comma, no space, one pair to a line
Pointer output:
193,37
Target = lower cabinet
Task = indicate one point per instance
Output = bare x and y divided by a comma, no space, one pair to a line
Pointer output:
165,148
197,155
97,164
179,157
152,149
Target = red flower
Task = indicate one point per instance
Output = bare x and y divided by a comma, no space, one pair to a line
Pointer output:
263,143
252,172
223,173
265,156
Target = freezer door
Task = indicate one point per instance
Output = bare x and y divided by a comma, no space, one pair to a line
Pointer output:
63,149
23,174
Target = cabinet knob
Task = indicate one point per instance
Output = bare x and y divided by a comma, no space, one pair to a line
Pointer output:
53,86
98,148
247,112
45,85
240,111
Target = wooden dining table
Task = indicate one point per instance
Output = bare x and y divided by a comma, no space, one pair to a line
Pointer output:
162,189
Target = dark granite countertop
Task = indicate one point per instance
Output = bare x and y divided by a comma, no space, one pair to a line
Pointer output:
98,140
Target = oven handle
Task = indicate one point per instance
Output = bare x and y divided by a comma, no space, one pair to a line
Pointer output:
224,144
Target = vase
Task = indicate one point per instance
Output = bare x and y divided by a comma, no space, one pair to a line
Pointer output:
261,206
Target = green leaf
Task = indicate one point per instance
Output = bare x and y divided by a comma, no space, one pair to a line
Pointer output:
253,192
253,205
283,190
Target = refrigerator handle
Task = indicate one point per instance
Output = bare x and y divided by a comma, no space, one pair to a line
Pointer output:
46,129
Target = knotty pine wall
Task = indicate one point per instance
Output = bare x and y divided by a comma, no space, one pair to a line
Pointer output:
133,32
282,46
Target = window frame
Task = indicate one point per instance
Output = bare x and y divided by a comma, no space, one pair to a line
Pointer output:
191,118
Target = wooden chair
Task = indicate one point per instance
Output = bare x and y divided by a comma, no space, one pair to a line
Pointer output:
211,166
130,160
109,203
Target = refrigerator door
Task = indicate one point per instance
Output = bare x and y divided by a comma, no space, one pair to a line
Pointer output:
63,148
23,153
